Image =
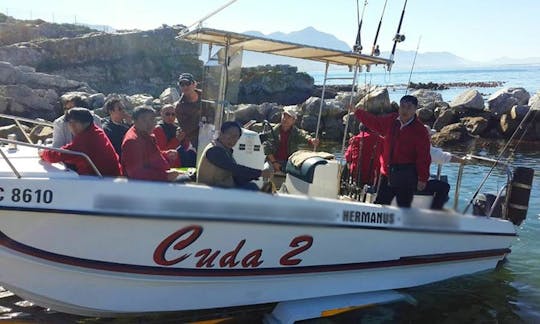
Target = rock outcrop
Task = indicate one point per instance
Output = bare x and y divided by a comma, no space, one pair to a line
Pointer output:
282,84
130,62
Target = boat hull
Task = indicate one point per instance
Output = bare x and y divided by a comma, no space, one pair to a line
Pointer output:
150,264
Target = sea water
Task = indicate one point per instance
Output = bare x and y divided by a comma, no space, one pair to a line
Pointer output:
525,76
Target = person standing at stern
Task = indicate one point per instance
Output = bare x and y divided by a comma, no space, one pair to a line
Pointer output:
406,158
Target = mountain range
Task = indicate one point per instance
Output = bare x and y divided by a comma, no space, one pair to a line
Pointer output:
403,59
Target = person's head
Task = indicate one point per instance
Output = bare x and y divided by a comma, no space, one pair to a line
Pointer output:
167,114
288,118
186,82
407,107
115,108
73,101
230,134
144,119
78,119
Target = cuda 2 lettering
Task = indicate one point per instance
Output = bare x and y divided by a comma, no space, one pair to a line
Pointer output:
213,258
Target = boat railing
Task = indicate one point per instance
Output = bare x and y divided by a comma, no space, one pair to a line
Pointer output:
43,147
481,160
18,121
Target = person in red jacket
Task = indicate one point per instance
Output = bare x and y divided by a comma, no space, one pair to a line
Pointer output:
172,140
88,139
141,157
364,150
405,160
167,138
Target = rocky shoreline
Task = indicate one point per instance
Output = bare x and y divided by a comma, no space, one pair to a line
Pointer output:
141,67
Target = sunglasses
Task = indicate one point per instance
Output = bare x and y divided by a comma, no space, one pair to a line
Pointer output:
170,114
185,84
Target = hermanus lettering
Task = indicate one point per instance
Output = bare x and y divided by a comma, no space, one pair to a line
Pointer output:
356,216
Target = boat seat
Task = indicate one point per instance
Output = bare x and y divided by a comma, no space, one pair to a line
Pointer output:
306,170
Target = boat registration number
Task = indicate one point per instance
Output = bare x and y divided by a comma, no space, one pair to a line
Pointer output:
25,195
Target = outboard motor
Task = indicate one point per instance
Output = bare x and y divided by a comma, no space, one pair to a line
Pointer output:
519,192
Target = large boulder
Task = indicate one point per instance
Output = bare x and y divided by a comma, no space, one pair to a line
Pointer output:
425,115
332,128
169,96
376,102
509,121
503,100
450,135
475,125
282,84
309,123
426,97
312,106
140,100
40,133
14,129
446,117
9,74
96,100
50,81
346,98
21,100
247,112
469,99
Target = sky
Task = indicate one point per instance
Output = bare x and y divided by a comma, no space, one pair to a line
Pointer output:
478,30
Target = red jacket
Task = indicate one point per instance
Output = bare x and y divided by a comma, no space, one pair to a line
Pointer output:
93,142
372,145
164,145
141,157
411,143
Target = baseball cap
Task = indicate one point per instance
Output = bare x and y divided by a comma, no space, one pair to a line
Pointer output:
290,111
186,77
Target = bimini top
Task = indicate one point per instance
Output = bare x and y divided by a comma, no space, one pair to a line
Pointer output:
277,47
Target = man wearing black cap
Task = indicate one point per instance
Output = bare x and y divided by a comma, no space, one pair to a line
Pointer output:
188,108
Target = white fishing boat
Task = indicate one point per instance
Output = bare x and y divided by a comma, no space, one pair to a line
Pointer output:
99,246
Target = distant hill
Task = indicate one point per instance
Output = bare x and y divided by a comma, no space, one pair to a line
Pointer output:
311,36
403,59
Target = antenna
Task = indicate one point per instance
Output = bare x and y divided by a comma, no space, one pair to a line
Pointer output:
200,21
412,67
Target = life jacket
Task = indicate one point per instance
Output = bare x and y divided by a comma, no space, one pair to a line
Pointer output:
210,174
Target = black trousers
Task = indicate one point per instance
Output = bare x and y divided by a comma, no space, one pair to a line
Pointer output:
439,189
403,193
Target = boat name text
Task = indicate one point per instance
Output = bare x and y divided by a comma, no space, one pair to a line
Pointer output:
26,195
214,258
355,216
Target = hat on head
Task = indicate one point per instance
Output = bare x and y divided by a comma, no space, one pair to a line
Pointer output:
290,111
186,77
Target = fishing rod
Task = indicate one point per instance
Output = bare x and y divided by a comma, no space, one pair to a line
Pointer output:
358,44
506,146
398,38
375,49
413,62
